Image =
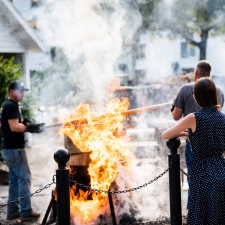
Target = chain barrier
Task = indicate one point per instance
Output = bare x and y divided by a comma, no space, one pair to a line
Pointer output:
30,195
124,191
181,169
93,189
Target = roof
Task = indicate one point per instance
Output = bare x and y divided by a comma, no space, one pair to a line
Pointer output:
19,27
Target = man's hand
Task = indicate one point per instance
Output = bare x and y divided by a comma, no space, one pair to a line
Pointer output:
35,128
26,121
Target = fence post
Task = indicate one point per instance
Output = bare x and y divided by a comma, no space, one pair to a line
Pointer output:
62,156
174,182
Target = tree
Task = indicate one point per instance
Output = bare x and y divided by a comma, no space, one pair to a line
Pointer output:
194,18
147,9
8,72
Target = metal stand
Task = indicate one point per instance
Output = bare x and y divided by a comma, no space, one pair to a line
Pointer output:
53,215
62,156
112,208
174,182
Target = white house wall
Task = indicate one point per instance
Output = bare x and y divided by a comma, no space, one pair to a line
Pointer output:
216,55
8,42
161,53
23,7
37,60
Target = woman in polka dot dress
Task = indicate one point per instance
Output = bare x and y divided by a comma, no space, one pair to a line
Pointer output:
206,130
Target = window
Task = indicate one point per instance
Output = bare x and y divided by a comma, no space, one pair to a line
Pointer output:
123,68
36,3
184,52
191,50
141,51
140,73
188,70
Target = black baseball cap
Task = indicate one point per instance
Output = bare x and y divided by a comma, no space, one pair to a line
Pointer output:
16,85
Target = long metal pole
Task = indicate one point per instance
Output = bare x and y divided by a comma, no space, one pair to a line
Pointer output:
62,187
151,107
112,209
131,111
174,182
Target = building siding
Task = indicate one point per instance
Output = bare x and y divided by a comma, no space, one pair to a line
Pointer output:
8,42
161,53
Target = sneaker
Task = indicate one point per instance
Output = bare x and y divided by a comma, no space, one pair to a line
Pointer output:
17,216
32,216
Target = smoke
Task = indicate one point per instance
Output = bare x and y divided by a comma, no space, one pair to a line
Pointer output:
147,203
90,35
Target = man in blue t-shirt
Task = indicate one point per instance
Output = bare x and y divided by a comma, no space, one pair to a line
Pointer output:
13,152
185,104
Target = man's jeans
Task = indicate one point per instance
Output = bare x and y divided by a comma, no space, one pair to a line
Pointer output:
188,157
19,181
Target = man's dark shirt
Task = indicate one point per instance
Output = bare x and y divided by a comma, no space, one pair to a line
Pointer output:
10,140
185,100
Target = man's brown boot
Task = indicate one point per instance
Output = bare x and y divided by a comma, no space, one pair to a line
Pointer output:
32,216
16,216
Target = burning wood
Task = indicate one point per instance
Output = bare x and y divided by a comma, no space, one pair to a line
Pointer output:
95,135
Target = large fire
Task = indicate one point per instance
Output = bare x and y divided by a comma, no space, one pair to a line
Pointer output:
99,135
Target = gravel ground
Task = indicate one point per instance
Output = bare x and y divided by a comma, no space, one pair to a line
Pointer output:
40,204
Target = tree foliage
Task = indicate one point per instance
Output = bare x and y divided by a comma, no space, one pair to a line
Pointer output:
8,72
195,20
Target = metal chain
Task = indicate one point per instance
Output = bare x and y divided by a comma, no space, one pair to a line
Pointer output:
93,189
120,192
30,195
181,169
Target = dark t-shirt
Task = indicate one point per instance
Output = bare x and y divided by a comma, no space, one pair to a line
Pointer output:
185,100
10,140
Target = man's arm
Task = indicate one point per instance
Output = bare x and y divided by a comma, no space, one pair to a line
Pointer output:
177,113
15,126
179,104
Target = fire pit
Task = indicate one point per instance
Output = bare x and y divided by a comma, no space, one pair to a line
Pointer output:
95,150
78,165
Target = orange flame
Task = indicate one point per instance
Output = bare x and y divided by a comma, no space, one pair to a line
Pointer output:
96,134
115,85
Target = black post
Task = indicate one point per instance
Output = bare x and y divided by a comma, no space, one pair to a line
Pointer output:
174,182
112,209
62,156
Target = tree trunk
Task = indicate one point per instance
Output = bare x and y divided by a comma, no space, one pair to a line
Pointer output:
203,44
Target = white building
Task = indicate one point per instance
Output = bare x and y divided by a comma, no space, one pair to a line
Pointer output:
17,37
159,57
37,60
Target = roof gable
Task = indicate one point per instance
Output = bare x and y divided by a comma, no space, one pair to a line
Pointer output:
19,27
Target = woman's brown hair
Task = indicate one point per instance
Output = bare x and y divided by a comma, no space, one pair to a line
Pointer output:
205,93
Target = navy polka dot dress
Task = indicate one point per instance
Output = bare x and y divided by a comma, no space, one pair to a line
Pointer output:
207,184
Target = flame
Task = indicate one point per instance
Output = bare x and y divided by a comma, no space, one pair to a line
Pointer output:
102,137
115,85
